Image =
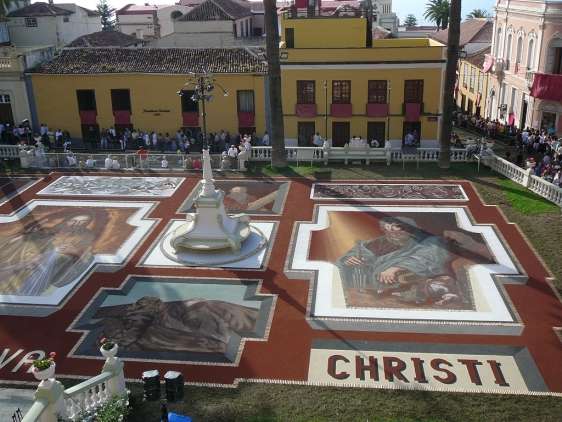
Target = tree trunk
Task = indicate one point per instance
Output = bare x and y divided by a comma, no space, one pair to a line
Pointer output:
449,88
278,153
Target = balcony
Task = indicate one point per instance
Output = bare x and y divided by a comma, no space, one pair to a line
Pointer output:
190,118
341,110
246,119
122,117
412,111
10,64
305,110
547,86
88,117
377,110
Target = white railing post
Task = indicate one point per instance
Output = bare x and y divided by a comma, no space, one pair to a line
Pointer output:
527,177
49,398
116,384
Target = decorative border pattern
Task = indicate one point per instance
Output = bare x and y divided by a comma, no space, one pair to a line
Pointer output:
315,197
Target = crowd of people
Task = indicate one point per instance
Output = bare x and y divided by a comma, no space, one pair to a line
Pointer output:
543,154
483,126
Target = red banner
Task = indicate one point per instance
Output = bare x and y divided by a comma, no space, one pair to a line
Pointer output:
547,87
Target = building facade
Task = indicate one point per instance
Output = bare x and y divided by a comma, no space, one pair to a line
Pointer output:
48,24
213,23
97,88
525,65
147,22
334,85
15,89
471,90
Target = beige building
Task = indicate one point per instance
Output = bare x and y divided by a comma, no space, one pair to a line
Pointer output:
49,24
15,89
213,23
149,21
525,64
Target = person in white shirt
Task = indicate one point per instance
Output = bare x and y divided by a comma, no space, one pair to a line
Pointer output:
375,143
265,139
317,140
154,140
164,163
115,165
108,163
90,162
232,152
44,129
247,145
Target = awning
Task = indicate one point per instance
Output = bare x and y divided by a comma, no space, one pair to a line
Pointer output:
547,86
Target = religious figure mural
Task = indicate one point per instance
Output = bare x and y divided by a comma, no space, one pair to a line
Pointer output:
48,247
252,197
408,264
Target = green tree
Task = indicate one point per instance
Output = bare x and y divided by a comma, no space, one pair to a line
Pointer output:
437,11
449,88
278,153
410,21
478,13
106,14
4,4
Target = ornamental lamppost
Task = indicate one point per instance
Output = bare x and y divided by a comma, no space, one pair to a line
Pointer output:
202,84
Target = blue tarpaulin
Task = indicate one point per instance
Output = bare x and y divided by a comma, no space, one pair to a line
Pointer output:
174,417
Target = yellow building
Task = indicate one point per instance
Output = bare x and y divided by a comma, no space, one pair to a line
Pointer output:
137,87
472,83
337,85
333,84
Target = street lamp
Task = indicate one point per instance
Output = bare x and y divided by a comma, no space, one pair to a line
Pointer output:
203,84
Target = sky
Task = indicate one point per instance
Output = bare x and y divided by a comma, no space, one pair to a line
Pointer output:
401,7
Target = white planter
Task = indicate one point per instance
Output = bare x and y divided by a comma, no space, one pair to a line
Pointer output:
45,374
111,353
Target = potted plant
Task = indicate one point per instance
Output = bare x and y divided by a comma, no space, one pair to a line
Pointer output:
108,348
44,369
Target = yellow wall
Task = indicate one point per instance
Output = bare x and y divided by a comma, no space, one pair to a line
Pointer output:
341,32
476,74
359,97
57,106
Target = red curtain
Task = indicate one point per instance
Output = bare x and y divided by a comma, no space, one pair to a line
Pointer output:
547,87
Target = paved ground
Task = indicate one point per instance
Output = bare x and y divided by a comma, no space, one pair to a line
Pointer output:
13,398
471,311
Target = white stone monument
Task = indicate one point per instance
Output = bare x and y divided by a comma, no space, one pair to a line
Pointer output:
210,228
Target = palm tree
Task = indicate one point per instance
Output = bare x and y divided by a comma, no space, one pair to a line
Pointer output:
478,13
449,88
438,11
278,153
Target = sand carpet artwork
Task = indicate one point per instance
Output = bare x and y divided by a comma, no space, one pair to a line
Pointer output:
113,186
363,284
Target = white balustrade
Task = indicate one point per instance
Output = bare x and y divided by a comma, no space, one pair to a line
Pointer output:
52,401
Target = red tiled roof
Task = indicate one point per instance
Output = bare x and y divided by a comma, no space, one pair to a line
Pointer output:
105,39
39,9
83,61
211,10
477,59
472,31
